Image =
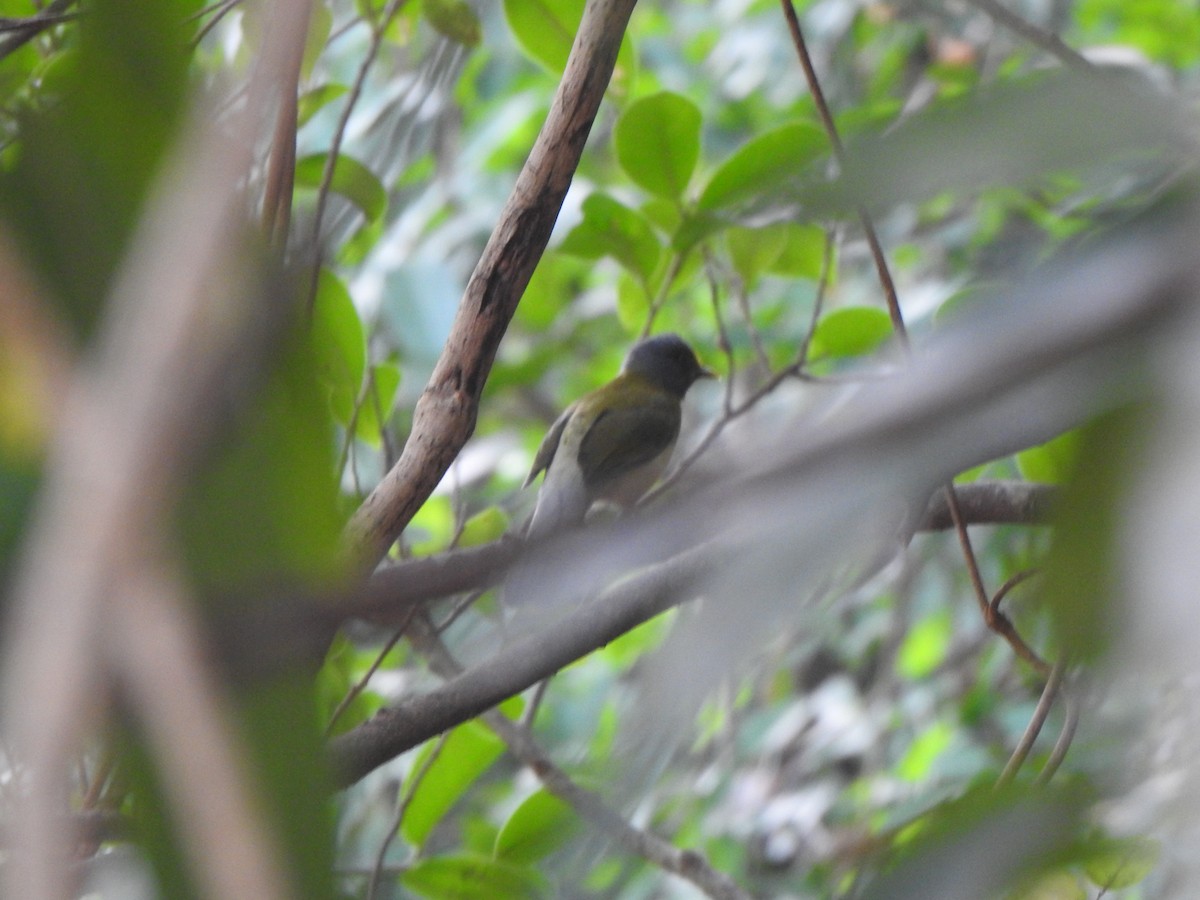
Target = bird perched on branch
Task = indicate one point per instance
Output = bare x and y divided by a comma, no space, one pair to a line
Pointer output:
613,443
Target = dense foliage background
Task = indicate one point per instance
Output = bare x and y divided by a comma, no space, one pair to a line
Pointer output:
233,242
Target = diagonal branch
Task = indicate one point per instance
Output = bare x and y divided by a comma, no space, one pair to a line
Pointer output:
445,414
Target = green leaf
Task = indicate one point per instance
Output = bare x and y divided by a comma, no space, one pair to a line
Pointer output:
486,525
633,303
658,142
613,229
765,165
545,29
86,162
803,253
339,343
467,753
312,101
1123,865
320,24
924,751
1051,462
351,179
1053,886
925,645
754,250
469,877
385,380
851,331
455,19
537,827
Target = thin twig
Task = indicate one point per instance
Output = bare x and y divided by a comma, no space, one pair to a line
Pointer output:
664,291
1034,728
1045,40
877,255
410,791
993,618
1006,588
339,132
361,685
1071,702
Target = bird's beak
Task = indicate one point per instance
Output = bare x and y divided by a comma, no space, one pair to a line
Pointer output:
706,372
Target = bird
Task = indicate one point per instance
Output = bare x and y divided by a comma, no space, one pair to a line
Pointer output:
613,443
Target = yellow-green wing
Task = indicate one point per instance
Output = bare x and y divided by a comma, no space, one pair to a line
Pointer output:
627,434
549,445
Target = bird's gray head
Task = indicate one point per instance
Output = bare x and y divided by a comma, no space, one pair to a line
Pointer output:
667,361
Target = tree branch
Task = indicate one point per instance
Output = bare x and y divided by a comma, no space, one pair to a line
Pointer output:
521,664
445,414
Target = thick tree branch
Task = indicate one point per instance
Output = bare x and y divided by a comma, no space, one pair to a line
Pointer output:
445,414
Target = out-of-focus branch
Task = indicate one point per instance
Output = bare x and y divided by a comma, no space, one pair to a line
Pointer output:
445,414
177,327
521,664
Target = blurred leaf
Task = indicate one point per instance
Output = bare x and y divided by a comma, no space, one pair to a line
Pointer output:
803,253
83,167
340,344
351,179
545,29
485,526
312,101
851,331
1053,886
658,142
610,228
633,303
755,250
1012,133
455,19
263,511
925,645
1051,462
764,165
468,752
924,751
320,23
385,380
1081,581
537,827
468,877
1124,864
972,846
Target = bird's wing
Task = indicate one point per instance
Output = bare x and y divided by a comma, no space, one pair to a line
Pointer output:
549,445
627,436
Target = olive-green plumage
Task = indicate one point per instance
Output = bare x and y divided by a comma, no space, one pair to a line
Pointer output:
613,443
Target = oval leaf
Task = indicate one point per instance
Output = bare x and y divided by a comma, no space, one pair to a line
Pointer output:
764,165
351,179
468,877
468,752
339,343
537,827
658,143
852,331
545,29
611,228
